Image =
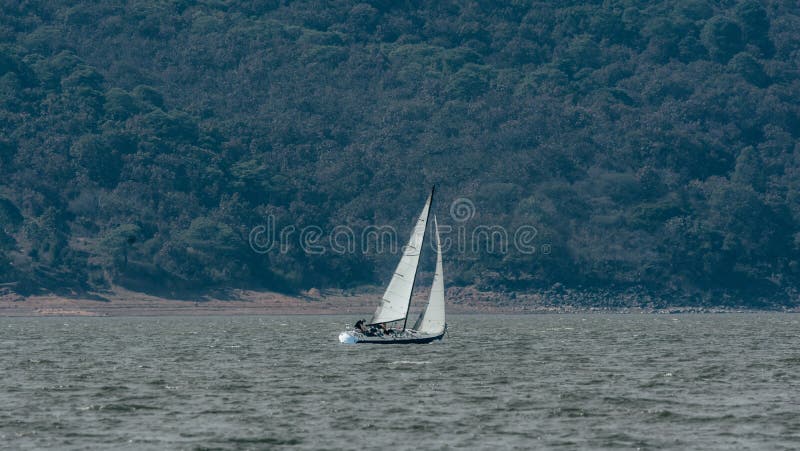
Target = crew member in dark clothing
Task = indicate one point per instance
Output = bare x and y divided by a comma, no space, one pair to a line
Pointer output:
360,326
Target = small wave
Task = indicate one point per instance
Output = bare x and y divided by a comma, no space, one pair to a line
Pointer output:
113,387
410,362
663,413
568,412
118,407
36,362
220,411
234,386
791,360
62,388
264,441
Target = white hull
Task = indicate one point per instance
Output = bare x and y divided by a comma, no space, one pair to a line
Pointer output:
407,337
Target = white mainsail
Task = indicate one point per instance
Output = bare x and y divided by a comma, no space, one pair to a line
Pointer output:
396,299
432,319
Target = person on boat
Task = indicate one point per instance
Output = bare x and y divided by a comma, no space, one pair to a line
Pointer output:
372,332
386,330
360,326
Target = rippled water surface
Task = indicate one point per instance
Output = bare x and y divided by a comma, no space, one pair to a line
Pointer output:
545,381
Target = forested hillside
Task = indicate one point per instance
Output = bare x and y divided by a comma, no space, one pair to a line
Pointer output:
651,144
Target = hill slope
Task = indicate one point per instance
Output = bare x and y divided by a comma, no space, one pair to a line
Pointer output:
648,144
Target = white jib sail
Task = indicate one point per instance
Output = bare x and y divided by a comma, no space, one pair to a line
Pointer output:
432,319
397,297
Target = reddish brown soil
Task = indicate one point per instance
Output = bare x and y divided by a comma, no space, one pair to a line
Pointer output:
122,302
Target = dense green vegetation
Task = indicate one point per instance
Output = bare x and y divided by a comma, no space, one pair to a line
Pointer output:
651,144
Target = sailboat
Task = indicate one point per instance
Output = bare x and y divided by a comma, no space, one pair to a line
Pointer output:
396,301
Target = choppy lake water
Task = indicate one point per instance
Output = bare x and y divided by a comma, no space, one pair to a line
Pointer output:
496,382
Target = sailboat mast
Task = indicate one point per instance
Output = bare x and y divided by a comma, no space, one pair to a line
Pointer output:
421,246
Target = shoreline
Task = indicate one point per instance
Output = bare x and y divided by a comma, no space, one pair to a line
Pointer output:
120,302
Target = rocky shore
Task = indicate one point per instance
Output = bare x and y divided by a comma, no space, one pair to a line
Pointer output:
556,299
